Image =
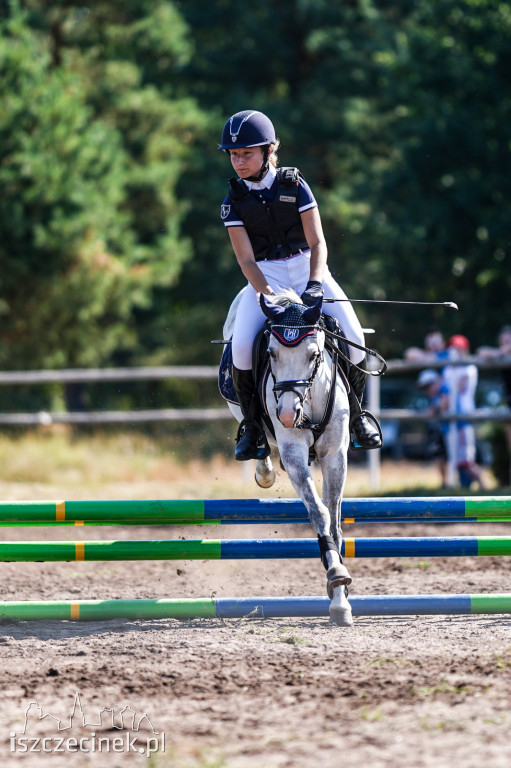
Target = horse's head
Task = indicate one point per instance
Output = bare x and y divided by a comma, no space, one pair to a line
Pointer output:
295,346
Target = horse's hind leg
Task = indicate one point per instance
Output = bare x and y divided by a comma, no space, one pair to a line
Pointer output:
264,474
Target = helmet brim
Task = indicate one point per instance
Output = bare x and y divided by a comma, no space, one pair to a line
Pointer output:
243,146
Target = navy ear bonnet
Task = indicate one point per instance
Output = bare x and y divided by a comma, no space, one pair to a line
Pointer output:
292,324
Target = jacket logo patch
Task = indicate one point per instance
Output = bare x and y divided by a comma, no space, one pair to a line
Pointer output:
287,199
225,211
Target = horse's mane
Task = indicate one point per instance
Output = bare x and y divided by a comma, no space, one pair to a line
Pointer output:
286,297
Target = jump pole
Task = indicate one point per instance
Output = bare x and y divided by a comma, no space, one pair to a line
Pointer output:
254,607
237,511
250,549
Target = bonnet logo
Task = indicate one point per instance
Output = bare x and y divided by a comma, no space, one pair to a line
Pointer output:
290,334
225,211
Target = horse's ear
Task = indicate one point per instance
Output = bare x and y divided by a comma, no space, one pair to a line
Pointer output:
312,314
271,310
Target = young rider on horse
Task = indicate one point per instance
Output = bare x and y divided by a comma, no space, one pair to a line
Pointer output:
276,233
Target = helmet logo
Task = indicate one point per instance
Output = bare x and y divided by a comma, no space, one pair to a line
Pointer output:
234,134
249,128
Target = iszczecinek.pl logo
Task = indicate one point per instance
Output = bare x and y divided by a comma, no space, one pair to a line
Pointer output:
60,740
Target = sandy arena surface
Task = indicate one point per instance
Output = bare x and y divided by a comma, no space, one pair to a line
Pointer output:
251,693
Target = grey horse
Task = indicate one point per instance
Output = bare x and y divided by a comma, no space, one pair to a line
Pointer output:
304,390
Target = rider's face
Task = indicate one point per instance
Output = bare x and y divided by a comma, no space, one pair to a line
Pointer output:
247,162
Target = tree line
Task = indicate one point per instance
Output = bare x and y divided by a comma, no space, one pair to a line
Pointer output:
112,251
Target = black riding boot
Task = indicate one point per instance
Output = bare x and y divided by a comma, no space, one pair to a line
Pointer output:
367,434
251,441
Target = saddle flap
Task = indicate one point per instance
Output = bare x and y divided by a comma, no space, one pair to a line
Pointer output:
259,363
225,382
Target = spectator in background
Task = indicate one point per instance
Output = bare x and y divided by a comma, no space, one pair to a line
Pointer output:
432,384
496,353
461,381
434,349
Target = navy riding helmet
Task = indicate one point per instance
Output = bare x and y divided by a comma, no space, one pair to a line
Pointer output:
247,129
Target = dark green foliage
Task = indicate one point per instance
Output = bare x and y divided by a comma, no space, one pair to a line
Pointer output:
61,180
112,249
398,113
444,200
90,156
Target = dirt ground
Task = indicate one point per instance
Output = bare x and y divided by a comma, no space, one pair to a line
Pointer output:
250,693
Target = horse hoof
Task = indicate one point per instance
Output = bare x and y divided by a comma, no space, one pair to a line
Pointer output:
265,481
340,616
340,608
265,474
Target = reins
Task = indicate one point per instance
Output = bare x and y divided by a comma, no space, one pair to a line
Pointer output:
371,352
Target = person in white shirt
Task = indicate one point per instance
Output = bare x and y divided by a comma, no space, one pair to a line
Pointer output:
462,381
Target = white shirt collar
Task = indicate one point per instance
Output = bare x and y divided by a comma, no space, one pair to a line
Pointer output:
266,182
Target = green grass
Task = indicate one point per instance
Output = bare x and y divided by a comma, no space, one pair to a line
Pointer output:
135,464
441,688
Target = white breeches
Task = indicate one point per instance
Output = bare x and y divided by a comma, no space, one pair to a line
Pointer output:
466,444
290,273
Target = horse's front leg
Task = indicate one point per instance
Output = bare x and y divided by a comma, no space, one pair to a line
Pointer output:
334,470
295,456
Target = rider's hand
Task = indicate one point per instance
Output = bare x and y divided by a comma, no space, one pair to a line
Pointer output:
312,293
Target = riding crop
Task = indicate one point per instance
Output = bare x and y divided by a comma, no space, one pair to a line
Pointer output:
448,304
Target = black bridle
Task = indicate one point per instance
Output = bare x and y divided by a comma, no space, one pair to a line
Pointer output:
302,388
296,385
